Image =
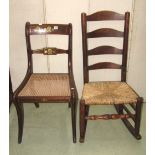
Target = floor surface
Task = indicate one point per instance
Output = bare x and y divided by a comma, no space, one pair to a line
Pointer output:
47,131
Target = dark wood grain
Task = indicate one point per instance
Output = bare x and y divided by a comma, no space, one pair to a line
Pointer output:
44,99
105,32
125,46
104,65
85,47
104,50
123,112
82,121
105,15
50,29
60,29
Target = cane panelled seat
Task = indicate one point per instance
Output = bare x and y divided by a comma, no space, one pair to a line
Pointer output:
47,87
117,93
40,85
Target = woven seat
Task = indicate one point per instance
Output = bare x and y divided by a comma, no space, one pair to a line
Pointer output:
47,85
108,93
115,93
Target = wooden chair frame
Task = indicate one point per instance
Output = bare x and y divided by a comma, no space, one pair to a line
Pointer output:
47,29
123,112
10,91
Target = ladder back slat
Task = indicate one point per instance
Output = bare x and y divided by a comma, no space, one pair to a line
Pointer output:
105,32
104,50
105,15
104,65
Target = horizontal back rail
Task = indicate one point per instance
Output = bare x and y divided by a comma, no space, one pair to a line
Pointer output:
36,29
105,50
49,51
105,32
104,65
105,15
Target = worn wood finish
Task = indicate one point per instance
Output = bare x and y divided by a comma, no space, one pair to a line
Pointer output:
104,50
36,29
34,99
82,121
86,114
105,15
123,112
138,117
125,46
107,116
74,102
105,32
104,65
74,94
20,114
85,47
50,29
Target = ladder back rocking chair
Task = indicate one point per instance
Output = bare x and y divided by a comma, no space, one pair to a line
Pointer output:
117,93
47,87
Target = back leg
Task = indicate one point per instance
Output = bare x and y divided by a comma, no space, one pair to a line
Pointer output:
36,104
134,130
20,114
86,114
138,119
69,104
73,115
82,121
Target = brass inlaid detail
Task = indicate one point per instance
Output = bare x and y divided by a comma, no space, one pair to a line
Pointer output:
41,29
49,29
37,28
49,51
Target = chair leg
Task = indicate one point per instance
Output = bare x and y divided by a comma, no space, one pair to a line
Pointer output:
137,120
83,122
119,108
69,104
36,105
20,114
86,114
73,116
134,130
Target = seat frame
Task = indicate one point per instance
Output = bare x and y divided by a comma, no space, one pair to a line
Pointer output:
46,29
122,110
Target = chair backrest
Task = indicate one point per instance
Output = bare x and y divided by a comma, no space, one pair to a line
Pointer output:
48,29
104,32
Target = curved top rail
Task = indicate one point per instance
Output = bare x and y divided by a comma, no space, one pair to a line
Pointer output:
105,15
